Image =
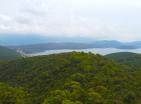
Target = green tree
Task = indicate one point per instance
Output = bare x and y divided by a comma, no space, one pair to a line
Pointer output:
94,97
11,95
71,102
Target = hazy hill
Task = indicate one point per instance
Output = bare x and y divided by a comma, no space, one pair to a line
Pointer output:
26,39
8,54
35,48
68,78
128,58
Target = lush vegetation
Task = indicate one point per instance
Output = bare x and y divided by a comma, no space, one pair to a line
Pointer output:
12,95
8,54
69,78
131,59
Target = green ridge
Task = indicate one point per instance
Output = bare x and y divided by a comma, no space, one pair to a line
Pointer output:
8,54
69,78
131,59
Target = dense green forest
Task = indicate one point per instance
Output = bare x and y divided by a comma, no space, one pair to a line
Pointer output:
8,54
131,59
69,78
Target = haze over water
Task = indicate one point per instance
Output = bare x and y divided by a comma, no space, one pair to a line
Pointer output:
102,51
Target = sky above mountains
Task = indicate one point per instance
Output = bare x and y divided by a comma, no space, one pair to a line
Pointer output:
98,19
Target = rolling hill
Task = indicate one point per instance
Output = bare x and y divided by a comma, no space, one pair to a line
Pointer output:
131,59
11,39
8,54
35,48
42,46
68,78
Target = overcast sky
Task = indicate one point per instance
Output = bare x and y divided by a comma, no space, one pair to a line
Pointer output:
98,19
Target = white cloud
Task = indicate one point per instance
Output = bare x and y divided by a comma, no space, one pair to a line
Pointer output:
100,19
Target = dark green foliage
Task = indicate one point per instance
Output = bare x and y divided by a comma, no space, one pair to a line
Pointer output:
11,95
8,54
131,59
73,78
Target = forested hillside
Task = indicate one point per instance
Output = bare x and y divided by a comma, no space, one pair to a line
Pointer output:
69,78
131,59
8,54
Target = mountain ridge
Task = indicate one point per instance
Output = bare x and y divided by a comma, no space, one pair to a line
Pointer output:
69,78
8,54
35,48
128,58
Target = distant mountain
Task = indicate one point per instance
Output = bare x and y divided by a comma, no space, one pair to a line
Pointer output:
106,44
26,39
34,43
8,54
136,44
116,44
35,48
128,58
